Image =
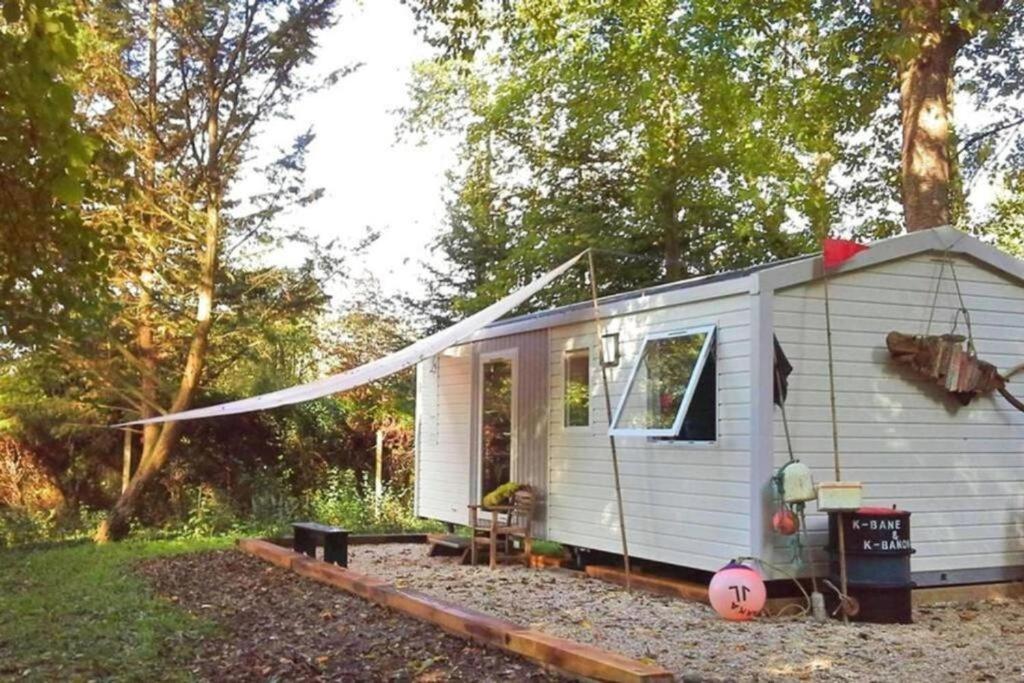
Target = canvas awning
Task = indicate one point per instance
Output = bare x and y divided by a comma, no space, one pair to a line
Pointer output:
374,370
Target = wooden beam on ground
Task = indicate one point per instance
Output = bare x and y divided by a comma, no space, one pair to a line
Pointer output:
673,588
576,659
455,619
364,586
377,539
584,660
271,552
968,593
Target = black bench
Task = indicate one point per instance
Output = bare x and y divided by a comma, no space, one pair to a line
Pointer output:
308,535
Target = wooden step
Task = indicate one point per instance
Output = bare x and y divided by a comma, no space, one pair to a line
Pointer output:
449,541
443,545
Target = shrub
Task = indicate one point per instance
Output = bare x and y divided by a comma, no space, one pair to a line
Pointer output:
273,507
210,513
20,526
348,501
547,548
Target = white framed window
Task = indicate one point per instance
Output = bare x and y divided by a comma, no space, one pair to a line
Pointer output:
577,388
671,389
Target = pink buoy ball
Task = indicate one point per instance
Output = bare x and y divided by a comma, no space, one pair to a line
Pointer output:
737,592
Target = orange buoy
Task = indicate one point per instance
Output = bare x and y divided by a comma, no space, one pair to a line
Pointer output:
785,522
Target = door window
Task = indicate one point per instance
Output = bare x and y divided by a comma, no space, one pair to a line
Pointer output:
496,425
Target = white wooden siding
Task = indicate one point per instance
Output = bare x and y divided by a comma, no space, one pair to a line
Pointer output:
443,393
958,470
686,504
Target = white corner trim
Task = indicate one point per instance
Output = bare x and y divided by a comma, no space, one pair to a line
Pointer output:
762,416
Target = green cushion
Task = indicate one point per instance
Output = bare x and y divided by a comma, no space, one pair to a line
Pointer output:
501,495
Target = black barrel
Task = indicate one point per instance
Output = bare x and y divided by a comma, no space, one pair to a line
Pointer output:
877,562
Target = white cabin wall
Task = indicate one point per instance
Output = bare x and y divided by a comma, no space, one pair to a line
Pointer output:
443,417
686,504
958,470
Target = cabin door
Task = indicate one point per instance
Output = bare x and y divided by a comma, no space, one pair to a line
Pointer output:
497,434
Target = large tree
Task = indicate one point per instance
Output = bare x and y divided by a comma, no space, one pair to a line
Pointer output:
696,138
183,91
705,134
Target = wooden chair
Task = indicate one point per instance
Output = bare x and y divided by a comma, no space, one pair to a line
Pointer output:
506,522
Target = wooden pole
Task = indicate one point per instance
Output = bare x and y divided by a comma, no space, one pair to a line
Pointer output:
126,466
608,412
378,481
835,446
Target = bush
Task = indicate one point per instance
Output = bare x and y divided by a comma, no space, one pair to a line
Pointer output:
210,513
547,548
348,501
21,527
273,507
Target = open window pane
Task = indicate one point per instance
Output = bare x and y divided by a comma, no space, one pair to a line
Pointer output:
701,420
577,388
663,384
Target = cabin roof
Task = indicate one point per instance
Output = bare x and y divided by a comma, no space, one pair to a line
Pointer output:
763,277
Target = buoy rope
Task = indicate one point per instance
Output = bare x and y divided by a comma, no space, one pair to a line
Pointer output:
765,563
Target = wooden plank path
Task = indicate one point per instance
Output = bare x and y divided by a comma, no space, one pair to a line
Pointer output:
570,657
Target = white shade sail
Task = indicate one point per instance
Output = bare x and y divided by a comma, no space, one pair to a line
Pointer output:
374,370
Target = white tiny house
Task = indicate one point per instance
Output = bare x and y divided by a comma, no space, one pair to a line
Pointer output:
697,432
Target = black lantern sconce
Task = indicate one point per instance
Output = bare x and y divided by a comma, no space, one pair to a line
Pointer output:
610,349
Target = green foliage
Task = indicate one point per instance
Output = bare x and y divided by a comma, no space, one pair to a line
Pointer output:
50,262
1007,222
547,548
23,527
78,612
698,137
210,513
348,501
645,128
502,494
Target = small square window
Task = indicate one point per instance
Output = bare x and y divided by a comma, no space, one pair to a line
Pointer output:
577,388
671,391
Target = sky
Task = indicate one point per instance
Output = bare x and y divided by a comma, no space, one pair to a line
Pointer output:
370,179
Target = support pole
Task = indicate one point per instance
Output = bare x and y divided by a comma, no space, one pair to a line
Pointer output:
835,447
608,412
126,466
378,472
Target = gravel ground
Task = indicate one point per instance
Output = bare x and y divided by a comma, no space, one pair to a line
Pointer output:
277,626
979,642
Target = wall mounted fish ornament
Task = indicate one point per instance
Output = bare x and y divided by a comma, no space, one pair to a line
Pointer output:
944,360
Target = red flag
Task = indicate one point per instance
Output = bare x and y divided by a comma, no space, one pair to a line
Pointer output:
837,251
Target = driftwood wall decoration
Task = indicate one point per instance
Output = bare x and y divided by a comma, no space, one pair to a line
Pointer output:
944,360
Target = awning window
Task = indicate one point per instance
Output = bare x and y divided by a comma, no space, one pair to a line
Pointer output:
663,382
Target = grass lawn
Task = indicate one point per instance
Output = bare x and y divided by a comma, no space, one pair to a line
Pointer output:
78,612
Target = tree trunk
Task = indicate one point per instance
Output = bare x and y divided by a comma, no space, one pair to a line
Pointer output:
925,112
115,526
927,157
144,337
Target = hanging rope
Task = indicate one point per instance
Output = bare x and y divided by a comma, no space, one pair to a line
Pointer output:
935,296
